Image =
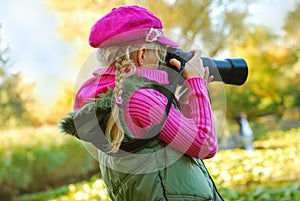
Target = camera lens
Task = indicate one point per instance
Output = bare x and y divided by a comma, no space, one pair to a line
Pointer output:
232,71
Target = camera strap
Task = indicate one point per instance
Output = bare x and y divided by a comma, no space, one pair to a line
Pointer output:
153,132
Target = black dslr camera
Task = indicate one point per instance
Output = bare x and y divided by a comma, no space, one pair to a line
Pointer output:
232,71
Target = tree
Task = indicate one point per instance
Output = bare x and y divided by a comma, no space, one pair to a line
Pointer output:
291,37
62,105
269,88
13,101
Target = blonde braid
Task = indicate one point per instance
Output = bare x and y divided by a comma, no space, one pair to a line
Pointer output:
114,130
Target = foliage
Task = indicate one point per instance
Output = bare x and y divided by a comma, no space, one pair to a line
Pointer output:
61,106
36,159
13,97
92,190
272,86
288,192
275,159
270,172
292,18
291,37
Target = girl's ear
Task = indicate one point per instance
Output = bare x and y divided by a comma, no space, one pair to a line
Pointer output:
140,56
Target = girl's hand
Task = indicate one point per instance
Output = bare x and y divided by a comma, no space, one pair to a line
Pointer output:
194,67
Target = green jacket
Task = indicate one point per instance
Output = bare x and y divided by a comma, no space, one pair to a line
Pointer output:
155,173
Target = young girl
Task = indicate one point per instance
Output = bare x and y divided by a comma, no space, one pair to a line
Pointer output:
151,145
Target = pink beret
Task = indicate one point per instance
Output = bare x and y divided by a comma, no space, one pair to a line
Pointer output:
128,25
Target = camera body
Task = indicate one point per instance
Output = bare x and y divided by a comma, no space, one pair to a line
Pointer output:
233,71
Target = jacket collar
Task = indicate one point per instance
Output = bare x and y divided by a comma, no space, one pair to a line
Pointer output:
158,76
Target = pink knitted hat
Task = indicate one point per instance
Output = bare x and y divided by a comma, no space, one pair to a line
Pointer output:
128,25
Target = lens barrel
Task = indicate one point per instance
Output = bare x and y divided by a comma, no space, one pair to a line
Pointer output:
232,71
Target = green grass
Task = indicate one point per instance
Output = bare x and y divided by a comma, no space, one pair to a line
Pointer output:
34,159
91,190
284,192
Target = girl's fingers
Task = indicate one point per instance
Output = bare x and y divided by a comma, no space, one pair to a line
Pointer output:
206,73
208,77
175,63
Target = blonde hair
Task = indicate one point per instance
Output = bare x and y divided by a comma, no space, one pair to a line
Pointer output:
120,56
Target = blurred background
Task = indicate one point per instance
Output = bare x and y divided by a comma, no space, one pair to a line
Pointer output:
44,44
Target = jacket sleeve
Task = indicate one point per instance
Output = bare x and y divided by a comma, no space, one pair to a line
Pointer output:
192,134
